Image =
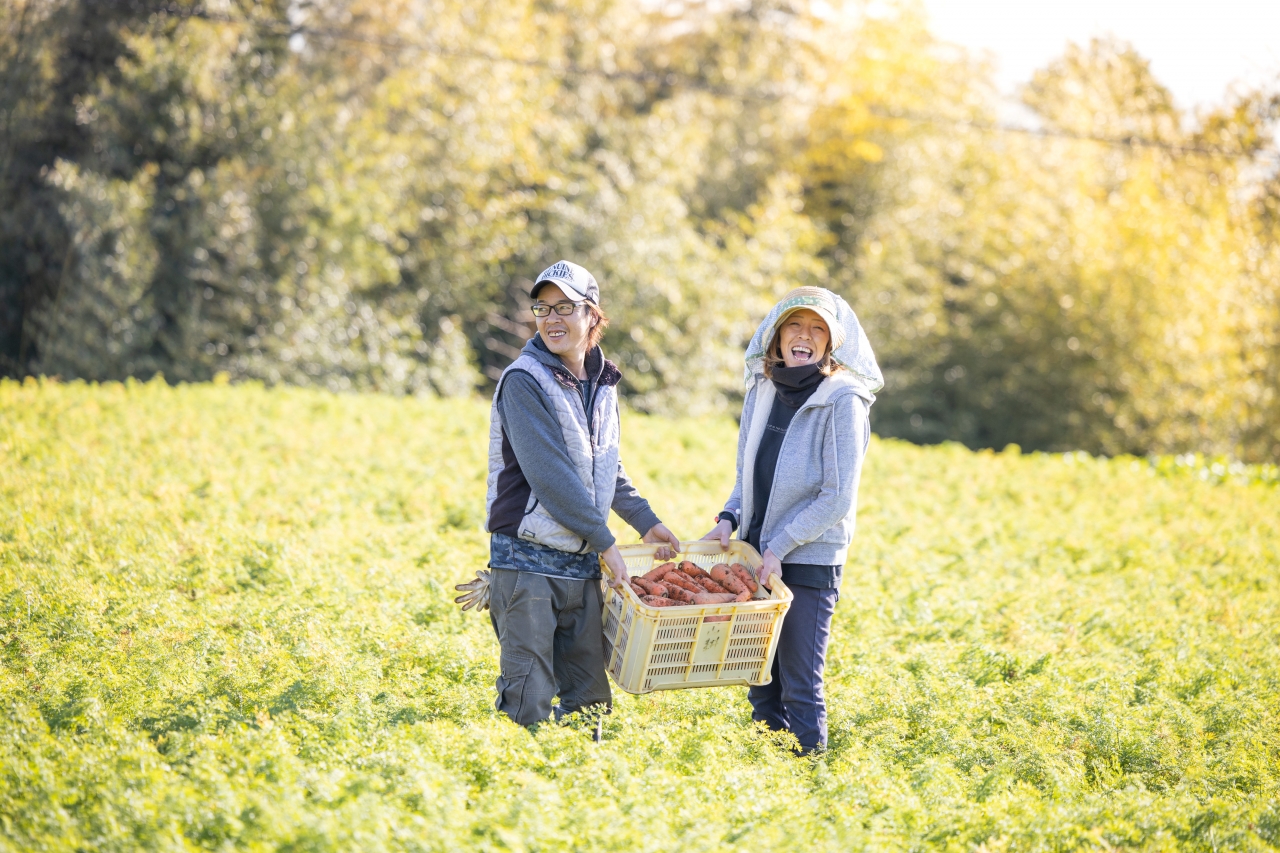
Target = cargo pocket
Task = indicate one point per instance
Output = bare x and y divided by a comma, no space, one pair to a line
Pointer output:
511,687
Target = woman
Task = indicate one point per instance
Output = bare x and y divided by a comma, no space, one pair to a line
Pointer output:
811,379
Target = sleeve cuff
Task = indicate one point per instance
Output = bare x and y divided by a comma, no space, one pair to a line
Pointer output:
644,521
782,545
730,517
602,539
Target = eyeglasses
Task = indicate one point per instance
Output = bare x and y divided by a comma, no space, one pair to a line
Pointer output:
564,309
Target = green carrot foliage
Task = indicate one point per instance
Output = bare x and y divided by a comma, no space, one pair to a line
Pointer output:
226,623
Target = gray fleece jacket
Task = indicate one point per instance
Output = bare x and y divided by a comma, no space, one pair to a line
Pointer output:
536,460
813,506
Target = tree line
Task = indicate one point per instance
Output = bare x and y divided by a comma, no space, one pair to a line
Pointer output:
354,194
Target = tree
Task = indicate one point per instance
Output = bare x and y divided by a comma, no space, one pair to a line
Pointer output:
1068,293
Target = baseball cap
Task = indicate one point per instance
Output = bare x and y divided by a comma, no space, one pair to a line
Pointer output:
819,300
571,278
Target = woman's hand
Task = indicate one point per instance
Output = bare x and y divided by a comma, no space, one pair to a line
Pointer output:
613,559
771,566
722,531
660,533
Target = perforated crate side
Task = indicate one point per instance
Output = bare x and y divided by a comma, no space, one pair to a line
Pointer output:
689,646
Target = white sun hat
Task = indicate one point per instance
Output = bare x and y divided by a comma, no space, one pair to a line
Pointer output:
574,280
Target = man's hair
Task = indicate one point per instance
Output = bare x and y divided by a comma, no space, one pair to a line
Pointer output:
773,357
597,331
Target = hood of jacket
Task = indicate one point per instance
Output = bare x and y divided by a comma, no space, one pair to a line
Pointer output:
853,352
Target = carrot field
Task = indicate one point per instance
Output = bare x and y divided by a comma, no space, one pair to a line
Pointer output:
226,624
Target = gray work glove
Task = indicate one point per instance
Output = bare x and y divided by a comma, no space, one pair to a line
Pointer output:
476,593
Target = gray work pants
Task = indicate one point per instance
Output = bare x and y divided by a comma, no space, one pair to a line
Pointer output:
552,641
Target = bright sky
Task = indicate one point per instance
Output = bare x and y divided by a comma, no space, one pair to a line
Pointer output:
1197,49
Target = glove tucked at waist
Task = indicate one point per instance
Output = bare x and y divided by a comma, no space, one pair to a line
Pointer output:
475,593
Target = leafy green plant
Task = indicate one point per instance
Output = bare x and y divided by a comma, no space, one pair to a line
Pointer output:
225,622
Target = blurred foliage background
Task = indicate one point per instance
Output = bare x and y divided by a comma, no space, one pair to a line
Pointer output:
353,194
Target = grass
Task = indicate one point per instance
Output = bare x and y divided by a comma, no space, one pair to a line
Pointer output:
226,623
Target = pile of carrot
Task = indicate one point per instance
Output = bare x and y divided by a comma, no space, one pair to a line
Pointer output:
671,585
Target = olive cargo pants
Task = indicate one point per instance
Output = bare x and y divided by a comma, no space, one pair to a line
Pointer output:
552,641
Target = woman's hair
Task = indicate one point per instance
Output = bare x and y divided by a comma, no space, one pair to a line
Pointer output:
773,357
597,331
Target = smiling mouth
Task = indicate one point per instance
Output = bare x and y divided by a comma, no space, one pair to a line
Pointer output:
801,353
556,334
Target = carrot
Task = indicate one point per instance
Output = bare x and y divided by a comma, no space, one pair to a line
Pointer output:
650,587
659,601
744,574
736,586
673,579
656,573
719,573
714,598
709,585
745,595
683,596
692,570
639,590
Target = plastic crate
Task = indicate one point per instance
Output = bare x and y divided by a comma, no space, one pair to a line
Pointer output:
693,645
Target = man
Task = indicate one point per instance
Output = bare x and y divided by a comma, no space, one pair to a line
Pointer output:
554,474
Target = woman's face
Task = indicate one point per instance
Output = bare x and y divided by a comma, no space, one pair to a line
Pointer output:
804,337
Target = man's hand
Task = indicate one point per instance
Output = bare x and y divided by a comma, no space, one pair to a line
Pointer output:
722,531
613,559
660,533
772,566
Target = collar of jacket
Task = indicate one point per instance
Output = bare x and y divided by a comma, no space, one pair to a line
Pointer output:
841,383
601,371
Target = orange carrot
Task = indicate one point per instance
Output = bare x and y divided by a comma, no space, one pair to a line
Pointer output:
683,596
659,601
692,570
719,573
657,572
736,586
673,579
744,574
714,598
745,595
644,584
709,585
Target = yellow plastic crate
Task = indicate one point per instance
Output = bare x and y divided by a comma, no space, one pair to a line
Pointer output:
693,645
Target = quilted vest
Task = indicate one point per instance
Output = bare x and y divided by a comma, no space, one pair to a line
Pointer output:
593,446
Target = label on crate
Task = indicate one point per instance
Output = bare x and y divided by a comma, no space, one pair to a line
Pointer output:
711,643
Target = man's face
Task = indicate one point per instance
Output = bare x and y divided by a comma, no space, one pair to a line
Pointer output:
563,335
